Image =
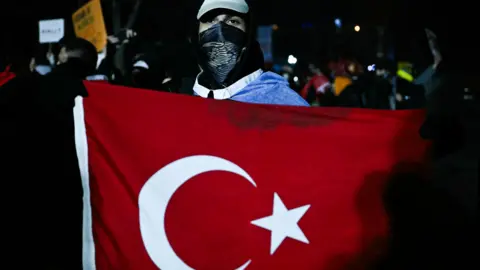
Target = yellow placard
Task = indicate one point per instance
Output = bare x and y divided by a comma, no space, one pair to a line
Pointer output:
405,75
406,66
88,23
340,84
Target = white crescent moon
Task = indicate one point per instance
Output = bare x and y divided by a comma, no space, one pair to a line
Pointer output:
155,196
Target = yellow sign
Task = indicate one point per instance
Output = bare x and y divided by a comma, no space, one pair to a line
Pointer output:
406,66
340,84
88,23
405,75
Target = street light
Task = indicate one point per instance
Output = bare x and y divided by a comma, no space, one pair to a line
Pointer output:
292,60
357,28
338,23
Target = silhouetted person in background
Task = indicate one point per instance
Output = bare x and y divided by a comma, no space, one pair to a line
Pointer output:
77,59
40,64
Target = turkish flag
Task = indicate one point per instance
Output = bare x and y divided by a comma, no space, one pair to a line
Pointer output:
179,182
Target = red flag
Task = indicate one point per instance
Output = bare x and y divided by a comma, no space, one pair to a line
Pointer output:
6,76
178,182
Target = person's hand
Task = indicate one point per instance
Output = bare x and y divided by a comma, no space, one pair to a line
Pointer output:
113,39
123,37
130,34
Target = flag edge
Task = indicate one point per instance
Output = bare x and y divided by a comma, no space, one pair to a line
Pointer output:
81,146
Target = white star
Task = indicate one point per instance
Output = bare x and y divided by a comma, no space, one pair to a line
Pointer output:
283,223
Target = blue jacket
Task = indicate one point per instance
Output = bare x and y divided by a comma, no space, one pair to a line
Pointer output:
269,88
260,88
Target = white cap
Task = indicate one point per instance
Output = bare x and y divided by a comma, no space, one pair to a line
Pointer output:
141,64
239,6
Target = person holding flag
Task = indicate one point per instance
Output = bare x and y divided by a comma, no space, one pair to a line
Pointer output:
231,59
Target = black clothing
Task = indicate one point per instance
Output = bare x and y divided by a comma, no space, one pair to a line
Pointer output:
42,205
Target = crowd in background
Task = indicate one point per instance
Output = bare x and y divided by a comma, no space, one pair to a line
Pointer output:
131,61
448,87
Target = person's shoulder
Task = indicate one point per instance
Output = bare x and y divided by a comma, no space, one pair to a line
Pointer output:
18,87
42,91
186,86
288,96
271,76
271,88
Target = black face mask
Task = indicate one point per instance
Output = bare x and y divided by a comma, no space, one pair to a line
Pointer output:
220,48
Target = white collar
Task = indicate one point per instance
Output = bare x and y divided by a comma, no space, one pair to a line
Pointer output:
228,92
98,77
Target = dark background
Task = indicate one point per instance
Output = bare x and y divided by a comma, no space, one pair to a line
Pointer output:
404,20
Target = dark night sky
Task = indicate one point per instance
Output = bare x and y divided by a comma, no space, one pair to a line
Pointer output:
173,15
170,18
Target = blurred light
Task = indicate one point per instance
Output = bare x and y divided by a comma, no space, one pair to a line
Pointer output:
277,68
275,27
357,28
371,67
295,79
292,60
352,68
307,25
338,22
287,68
